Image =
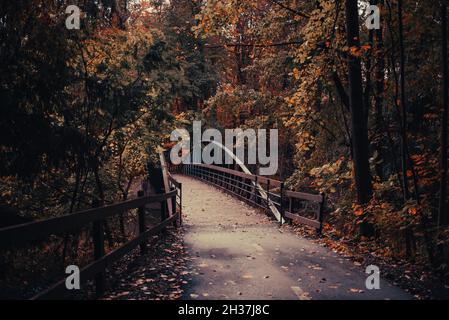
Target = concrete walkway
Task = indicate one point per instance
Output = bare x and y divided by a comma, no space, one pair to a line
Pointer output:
239,253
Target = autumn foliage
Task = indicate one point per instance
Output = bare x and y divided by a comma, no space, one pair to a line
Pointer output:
83,113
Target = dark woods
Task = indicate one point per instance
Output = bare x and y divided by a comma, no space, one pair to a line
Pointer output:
362,114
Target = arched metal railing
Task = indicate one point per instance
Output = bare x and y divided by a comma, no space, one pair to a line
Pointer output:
262,192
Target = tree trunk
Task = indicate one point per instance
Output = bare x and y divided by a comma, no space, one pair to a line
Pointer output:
119,13
403,106
442,207
359,129
379,99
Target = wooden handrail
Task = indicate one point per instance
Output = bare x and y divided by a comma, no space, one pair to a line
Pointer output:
19,235
24,233
92,269
305,196
173,180
165,178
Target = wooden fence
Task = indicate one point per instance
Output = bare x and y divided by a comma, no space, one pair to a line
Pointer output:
20,235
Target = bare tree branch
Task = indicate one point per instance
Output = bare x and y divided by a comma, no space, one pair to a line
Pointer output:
255,45
299,13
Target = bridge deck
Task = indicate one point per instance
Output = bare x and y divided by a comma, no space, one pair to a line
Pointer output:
238,253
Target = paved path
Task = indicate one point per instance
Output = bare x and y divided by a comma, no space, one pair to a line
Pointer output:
239,253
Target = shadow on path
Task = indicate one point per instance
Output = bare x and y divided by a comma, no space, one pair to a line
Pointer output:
239,253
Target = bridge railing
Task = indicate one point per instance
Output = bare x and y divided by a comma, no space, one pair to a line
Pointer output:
175,185
263,192
13,238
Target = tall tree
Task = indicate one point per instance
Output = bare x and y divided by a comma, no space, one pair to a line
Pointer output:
442,207
379,98
359,128
403,105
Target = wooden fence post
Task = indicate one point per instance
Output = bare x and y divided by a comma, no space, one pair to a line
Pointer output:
180,204
98,240
142,228
163,212
268,194
321,213
290,209
173,206
281,202
255,190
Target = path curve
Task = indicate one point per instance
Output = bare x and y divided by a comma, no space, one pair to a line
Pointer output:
239,253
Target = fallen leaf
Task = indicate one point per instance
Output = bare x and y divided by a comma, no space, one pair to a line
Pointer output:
356,290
